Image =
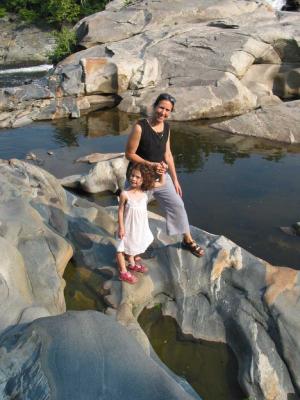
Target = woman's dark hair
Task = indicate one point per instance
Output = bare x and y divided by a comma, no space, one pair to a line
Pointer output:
165,96
148,175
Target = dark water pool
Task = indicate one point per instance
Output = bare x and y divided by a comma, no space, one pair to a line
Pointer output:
243,188
210,368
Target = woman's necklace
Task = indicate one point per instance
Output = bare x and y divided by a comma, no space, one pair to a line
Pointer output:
160,134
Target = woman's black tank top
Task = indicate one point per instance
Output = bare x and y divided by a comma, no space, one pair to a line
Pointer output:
152,146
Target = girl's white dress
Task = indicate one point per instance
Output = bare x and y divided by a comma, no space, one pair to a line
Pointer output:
137,236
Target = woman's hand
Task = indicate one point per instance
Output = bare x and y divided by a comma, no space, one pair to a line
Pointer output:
160,168
178,188
121,232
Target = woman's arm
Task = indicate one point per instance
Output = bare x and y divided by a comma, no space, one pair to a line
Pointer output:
121,228
171,165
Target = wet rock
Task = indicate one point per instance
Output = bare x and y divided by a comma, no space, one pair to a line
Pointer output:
293,230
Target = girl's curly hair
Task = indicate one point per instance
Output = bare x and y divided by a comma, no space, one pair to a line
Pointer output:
148,175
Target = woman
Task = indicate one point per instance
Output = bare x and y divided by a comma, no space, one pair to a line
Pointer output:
149,143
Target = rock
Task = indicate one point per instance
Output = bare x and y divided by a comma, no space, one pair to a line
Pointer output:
108,174
34,251
39,362
22,45
293,230
227,295
98,157
219,58
276,122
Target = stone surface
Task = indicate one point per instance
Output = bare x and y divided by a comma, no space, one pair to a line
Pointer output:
228,295
275,122
105,175
219,58
22,45
34,251
82,355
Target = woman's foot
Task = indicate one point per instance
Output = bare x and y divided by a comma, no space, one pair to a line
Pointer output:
137,268
193,247
128,277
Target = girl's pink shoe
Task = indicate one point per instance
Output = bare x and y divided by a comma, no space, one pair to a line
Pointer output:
128,277
138,268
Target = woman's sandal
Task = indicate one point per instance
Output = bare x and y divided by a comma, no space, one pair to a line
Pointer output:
128,277
138,268
193,247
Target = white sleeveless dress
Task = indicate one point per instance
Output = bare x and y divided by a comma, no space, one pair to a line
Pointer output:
138,235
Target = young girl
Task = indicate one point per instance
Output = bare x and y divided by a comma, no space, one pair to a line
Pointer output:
133,231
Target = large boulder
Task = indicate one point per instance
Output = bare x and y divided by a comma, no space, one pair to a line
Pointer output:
34,250
82,355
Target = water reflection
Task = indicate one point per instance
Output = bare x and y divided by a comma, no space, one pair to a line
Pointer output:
194,142
210,368
242,187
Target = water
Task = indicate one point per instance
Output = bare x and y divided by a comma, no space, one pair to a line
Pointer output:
210,368
243,188
19,76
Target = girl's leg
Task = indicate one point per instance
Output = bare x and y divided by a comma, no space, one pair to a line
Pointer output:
121,262
124,275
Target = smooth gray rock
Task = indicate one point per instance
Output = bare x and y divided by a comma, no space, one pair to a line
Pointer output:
105,175
276,122
34,252
227,295
82,356
218,58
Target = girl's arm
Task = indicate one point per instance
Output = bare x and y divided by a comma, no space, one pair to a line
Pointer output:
171,165
132,146
121,229
162,180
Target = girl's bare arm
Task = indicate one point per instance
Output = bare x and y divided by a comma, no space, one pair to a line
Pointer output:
121,229
162,180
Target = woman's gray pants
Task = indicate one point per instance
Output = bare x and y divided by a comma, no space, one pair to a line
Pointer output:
173,207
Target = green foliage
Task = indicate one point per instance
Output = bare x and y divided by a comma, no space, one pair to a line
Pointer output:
29,16
2,12
128,2
60,11
57,14
54,12
65,44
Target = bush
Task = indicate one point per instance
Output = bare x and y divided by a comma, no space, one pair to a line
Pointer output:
2,12
29,16
60,11
65,44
